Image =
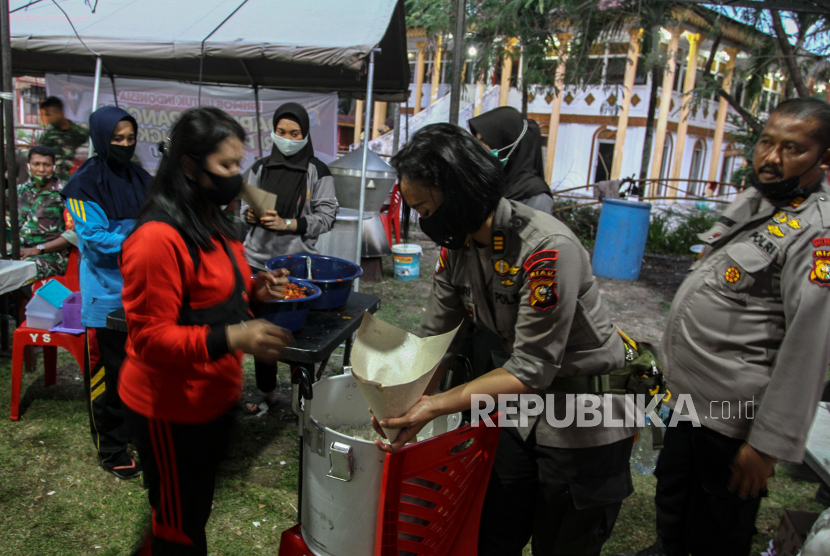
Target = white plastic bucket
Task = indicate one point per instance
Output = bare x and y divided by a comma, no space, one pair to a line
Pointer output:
407,261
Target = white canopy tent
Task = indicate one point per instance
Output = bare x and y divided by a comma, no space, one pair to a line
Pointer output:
312,45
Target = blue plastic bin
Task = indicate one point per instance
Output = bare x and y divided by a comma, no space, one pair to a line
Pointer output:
621,239
289,313
333,276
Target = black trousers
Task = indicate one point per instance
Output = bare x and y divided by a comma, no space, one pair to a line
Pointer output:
566,499
696,514
102,365
180,463
266,376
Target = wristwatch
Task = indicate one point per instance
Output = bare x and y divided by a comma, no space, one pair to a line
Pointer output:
41,249
287,224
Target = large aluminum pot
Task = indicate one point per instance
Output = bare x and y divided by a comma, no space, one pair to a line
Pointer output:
341,475
380,178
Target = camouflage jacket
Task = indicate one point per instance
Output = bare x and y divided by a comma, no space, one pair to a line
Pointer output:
43,218
70,146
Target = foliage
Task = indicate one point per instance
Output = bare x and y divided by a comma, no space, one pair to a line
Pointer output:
746,138
674,234
582,220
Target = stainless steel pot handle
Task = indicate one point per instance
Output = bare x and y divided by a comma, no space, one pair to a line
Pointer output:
341,457
302,389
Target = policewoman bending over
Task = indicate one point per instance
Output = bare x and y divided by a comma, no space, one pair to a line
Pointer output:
523,275
186,286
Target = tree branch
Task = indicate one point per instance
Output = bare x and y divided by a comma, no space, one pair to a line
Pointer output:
753,122
787,52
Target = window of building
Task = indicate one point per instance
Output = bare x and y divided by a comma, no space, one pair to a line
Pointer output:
696,169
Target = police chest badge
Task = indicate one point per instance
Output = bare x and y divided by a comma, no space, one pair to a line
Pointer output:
820,273
543,295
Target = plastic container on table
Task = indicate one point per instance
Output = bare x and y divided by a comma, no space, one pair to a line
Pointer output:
407,261
44,309
333,276
289,313
621,239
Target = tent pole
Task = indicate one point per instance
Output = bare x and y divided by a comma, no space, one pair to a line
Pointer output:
396,134
8,111
258,128
96,89
202,55
366,134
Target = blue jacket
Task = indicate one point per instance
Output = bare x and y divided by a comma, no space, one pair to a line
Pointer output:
99,240
105,198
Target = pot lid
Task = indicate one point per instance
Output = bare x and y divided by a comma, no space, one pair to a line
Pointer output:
354,161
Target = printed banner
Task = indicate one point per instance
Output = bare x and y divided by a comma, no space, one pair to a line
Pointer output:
157,105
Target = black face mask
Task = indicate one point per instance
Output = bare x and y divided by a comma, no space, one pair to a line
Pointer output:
442,229
224,190
119,155
781,191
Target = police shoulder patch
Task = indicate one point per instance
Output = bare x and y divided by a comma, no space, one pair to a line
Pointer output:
820,273
540,256
442,261
543,294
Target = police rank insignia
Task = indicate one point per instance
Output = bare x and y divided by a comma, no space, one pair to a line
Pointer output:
820,273
775,230
543,295
498,242
794,224
732,274
797,201
506,271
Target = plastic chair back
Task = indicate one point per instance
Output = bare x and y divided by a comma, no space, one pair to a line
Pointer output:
432,493
71,278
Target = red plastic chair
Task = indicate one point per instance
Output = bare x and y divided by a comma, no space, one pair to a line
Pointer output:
448,476
51,341
392,217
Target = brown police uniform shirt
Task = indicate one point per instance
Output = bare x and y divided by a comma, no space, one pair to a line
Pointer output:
534,287
750,323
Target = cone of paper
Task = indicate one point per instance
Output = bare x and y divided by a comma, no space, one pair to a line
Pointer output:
394,367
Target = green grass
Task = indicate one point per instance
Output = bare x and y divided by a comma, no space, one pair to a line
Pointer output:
92,512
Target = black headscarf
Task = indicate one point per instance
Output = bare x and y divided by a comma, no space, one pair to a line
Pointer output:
285,176
118,190
525,170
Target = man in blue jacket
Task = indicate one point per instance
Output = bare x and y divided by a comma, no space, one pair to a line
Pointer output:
105,196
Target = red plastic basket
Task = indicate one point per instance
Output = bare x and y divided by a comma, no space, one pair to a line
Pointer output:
433,491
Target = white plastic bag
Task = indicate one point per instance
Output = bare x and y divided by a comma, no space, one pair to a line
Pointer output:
817,542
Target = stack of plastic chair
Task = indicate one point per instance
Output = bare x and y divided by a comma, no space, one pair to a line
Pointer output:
431,496
392,217
50,341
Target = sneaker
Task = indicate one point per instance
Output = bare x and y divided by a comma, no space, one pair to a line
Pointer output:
121,465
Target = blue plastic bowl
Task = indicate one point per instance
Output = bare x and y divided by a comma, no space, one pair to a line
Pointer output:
333,276
289,313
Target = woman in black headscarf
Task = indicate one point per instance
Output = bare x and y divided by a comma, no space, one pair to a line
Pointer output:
306,207
517,143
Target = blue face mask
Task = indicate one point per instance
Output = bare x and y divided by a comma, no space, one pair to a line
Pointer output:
289,147
511,146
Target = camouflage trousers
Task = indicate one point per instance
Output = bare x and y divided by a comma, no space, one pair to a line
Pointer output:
50,264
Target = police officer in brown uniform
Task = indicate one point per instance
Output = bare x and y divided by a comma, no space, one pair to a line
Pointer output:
747,339
525,276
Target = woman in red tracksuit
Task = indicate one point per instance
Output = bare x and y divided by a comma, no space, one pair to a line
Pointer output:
185,295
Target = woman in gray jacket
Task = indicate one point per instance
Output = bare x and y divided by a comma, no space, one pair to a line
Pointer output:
306,207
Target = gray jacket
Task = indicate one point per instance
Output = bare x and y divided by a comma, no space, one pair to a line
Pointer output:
319,212
546,309
748,334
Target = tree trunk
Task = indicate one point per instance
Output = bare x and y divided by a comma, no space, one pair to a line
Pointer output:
524,98
788,55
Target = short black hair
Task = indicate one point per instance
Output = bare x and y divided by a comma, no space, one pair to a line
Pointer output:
808,109
448,158
42,151
51,102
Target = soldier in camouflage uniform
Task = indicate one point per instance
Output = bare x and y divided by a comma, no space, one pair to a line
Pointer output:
46,232
67,139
